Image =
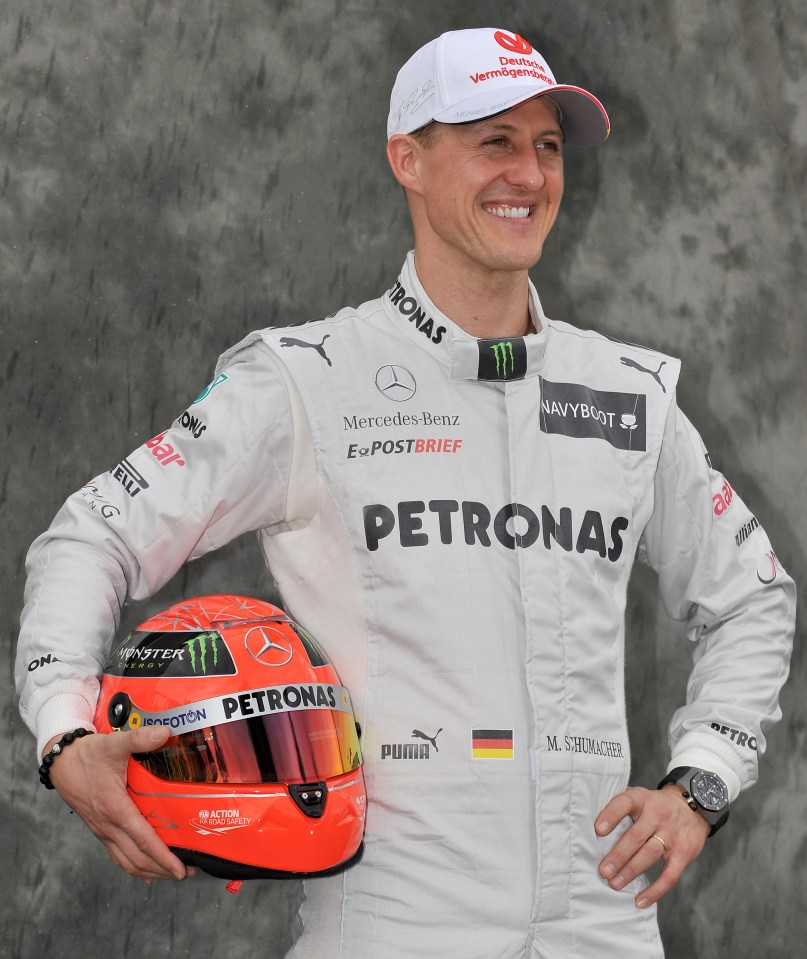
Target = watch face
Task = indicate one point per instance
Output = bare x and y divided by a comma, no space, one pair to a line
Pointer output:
709,790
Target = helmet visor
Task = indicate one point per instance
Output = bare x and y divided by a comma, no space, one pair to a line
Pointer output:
290,747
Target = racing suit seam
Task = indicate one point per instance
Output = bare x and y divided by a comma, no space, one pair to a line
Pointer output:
322,483
588,334
34,599
209,542
203,501
297,410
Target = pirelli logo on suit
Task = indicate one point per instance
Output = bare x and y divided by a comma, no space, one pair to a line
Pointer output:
574,410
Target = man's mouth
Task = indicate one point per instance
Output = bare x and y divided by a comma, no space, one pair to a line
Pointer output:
505,211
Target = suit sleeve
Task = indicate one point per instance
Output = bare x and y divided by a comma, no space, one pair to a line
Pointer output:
719,574
222,469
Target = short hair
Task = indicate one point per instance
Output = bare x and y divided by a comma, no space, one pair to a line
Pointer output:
427,135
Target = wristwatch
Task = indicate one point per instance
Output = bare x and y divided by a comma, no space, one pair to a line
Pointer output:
705,793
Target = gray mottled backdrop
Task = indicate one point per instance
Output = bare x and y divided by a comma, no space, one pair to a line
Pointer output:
174,173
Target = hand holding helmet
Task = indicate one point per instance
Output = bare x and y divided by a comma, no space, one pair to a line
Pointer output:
91,777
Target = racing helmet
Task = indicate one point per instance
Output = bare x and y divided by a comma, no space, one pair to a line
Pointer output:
262,776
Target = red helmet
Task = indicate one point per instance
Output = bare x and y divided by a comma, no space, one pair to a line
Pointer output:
262,778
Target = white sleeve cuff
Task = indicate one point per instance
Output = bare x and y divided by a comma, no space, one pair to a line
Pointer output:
64,711
703,753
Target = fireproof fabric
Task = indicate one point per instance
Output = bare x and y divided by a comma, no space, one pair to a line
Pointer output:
457,520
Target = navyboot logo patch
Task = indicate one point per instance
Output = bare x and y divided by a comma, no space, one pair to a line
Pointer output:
571,409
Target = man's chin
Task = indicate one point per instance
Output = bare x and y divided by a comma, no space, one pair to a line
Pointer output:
515,262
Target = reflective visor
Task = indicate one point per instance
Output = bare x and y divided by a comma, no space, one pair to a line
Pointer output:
289,747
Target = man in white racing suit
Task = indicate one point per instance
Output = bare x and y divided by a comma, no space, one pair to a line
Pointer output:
450,490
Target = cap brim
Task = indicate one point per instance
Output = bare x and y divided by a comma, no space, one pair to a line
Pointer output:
584,120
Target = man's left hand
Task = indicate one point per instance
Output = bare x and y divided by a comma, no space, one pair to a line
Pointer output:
664,827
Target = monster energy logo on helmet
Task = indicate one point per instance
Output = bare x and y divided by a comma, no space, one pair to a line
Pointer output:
198,650
172,654
502,359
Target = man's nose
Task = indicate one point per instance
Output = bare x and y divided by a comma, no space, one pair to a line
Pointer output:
526,170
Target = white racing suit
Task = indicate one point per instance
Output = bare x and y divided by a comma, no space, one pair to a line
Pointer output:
455,520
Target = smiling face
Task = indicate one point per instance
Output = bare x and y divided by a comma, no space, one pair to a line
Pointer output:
484,195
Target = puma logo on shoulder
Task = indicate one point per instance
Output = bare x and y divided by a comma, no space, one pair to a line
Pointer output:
292,341
626,361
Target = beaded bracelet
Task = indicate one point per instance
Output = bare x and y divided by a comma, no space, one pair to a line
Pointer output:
47,760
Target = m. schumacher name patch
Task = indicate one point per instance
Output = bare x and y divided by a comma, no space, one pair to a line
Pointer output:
571,409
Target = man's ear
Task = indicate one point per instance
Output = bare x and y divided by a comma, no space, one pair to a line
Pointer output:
403,153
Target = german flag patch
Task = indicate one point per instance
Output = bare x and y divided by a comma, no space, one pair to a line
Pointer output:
492,744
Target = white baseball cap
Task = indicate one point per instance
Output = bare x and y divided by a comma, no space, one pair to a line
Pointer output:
469,75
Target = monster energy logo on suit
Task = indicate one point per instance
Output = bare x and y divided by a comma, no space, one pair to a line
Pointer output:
502,359
172,654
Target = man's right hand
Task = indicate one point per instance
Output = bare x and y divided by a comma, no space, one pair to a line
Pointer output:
90,775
